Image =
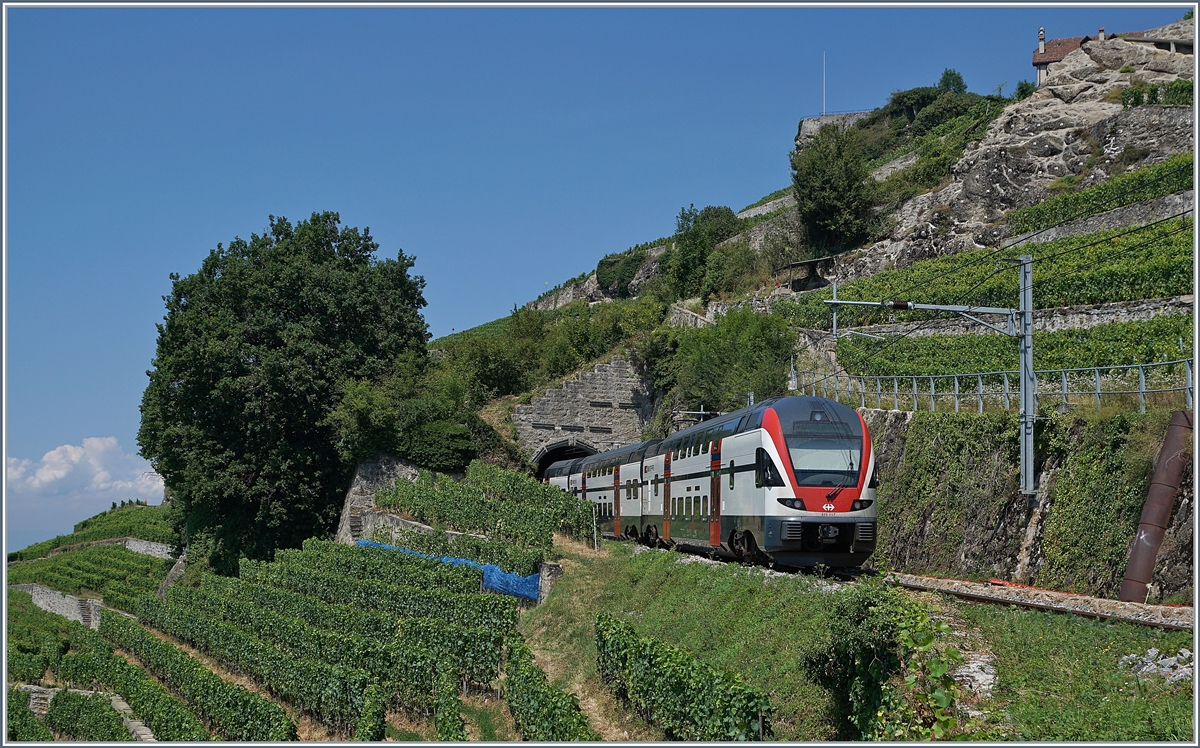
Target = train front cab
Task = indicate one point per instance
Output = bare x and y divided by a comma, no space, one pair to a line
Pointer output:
816,452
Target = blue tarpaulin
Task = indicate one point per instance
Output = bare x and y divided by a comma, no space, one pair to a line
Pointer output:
494,578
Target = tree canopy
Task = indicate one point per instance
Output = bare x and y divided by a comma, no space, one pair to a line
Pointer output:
952,82
832,198
697,232
254,354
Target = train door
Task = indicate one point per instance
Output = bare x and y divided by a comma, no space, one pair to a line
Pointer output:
666,488
616,499
631,508
714,491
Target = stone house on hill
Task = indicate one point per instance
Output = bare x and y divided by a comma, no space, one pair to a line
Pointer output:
1054,50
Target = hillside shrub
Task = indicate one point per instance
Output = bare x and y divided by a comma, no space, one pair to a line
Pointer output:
744,352
23,724
833,200
1116,265
615,271
880,665
688,699
1167,177
540,711
1112,344
232,710
130,521
1179,92
86,718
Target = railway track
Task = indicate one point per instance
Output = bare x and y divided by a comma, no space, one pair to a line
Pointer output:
999,592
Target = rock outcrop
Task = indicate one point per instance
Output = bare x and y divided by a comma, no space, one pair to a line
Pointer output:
1072,124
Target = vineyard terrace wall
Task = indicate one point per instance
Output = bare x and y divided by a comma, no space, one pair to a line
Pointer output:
949,503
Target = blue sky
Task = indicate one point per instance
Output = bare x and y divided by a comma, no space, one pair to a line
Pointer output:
507,149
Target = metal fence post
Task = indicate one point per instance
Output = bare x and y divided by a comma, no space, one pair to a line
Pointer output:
896,393
1064,385
980,390
1142,388
878,394
1007,406
955,393
914,394
1187,385
1097,371
862,391
932,396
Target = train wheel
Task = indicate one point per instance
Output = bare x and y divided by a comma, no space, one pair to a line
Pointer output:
631,532
652,536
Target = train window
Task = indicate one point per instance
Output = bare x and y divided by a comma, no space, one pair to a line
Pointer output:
765,472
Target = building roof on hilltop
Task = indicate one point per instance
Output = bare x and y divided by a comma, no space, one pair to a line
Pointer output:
1057,49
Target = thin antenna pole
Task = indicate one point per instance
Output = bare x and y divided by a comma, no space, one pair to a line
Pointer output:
822,83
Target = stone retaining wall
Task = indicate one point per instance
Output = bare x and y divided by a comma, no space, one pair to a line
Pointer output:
148,547
599,410
73,608
40,698
379,472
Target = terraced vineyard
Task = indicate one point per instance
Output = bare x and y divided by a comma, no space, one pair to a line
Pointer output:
129,521
342,635
117,575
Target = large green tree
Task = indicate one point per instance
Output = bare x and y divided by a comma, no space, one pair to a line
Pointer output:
829,180
697,232
254,353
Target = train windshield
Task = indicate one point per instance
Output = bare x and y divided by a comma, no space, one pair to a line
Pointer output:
824,440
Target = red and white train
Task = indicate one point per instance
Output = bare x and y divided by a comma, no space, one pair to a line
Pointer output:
790,478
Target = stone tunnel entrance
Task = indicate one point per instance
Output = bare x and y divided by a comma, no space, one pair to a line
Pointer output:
564,450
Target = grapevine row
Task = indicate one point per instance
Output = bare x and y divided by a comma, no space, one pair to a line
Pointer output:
498,612
688,699
540,711
87,718
333,693
232,710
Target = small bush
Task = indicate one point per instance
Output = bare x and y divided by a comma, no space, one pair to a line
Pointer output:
371,723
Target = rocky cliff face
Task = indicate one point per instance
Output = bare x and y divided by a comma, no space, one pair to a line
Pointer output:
589,289
1069,125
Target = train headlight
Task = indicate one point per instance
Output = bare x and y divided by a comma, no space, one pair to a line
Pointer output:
792,503
861,504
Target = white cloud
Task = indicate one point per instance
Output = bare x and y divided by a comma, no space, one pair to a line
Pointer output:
70,483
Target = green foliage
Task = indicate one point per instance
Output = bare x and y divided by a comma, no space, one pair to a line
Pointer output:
1116,265
743,352
383,565
832,198
333,693
86,718
615,271
119,575
23,724
734,269
37,639
540,711
944,108
508,557
130,521
963,467
474,610
688,699
951,82
372,723
251,358
1180,92
1169,176
685,261
506,505
537,347
447,716
783,192
1025,89
231,710
879,664
1112,344
1097,501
